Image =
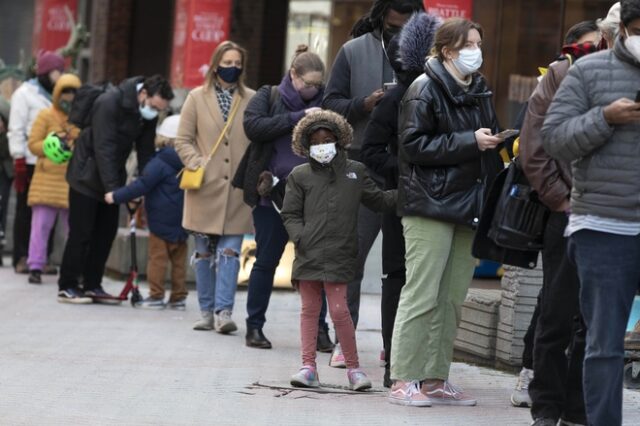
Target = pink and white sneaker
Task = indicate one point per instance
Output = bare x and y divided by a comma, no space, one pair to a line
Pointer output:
337,358
306,377
408,394
447,393
383,361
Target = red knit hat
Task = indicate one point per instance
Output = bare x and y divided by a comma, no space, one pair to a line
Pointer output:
49,61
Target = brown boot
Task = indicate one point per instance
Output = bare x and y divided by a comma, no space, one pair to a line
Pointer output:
50,269
21,266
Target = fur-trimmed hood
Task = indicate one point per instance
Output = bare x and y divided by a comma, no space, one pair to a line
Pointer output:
416,40
325,119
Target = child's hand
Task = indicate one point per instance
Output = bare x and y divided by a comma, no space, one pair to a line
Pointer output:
108,198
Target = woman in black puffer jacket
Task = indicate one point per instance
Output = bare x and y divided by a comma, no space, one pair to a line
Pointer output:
447,158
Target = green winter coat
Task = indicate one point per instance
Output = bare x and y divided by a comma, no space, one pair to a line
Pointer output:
320,212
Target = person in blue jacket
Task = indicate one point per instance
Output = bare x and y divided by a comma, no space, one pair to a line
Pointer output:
164,199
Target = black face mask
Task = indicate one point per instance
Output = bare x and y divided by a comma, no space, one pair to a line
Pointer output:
46,82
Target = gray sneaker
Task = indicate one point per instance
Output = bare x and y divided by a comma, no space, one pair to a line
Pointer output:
223,322
178,305
520,396
151,303
205,323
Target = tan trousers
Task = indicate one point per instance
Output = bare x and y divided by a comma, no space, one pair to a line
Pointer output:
160,253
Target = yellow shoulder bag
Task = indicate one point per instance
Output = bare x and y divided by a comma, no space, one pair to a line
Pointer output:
192,179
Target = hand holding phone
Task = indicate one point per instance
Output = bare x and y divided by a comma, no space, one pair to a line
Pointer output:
388,86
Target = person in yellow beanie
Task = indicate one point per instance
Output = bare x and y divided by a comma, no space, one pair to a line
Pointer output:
49,190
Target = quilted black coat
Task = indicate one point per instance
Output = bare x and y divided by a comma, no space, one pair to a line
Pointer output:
443,174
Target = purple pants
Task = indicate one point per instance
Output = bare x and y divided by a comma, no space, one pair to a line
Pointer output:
43,219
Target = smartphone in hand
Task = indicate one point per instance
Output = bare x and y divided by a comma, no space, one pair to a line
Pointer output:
506,134
388,86
637,96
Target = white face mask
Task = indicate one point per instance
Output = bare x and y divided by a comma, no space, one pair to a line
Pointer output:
632,43
324,153
468,61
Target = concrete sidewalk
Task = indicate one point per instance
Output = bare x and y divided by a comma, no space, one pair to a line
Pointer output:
101,365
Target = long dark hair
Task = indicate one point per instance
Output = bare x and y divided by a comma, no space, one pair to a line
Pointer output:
374,19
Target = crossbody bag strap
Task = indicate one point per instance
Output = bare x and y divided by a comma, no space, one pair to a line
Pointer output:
234,109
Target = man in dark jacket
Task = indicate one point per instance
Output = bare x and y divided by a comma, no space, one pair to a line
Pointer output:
355,86
380,154
594,123
556,389
121,117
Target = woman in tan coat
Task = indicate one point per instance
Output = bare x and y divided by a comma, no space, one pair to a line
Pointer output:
49,191
215,213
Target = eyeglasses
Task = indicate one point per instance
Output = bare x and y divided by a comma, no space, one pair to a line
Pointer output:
308,84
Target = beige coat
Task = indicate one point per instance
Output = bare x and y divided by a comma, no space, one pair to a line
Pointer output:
216,208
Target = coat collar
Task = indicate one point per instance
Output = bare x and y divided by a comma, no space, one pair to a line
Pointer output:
478,88
621,51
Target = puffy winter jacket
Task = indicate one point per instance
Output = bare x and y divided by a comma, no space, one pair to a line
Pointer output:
48,186
443,174
606,174
164,200
102,149
26,104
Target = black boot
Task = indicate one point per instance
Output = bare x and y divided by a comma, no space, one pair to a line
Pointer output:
255,339
35,276
324,343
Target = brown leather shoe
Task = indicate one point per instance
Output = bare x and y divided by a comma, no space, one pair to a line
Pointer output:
49,269
21,267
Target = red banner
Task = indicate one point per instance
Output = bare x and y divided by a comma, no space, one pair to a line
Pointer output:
450,8
200,26
51,25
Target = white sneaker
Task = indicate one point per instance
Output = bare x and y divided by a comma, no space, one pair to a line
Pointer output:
205,323
223,323
520,396
337,358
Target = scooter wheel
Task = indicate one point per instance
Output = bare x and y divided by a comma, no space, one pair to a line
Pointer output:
136,297
631,382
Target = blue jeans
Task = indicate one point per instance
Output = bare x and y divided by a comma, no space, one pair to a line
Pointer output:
609,273
217,262
271,239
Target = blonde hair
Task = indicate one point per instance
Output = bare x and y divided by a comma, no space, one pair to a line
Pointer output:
305,61
164,141
212,74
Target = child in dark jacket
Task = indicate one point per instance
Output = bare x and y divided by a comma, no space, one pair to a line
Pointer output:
163,202
320,213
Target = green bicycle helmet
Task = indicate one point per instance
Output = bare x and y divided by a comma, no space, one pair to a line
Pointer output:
56,150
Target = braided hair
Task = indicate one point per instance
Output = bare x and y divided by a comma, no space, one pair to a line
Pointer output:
375,18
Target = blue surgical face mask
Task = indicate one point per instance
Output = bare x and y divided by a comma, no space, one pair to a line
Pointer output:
229,74
147,112
468,61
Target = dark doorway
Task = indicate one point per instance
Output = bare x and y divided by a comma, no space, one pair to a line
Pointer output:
151,37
